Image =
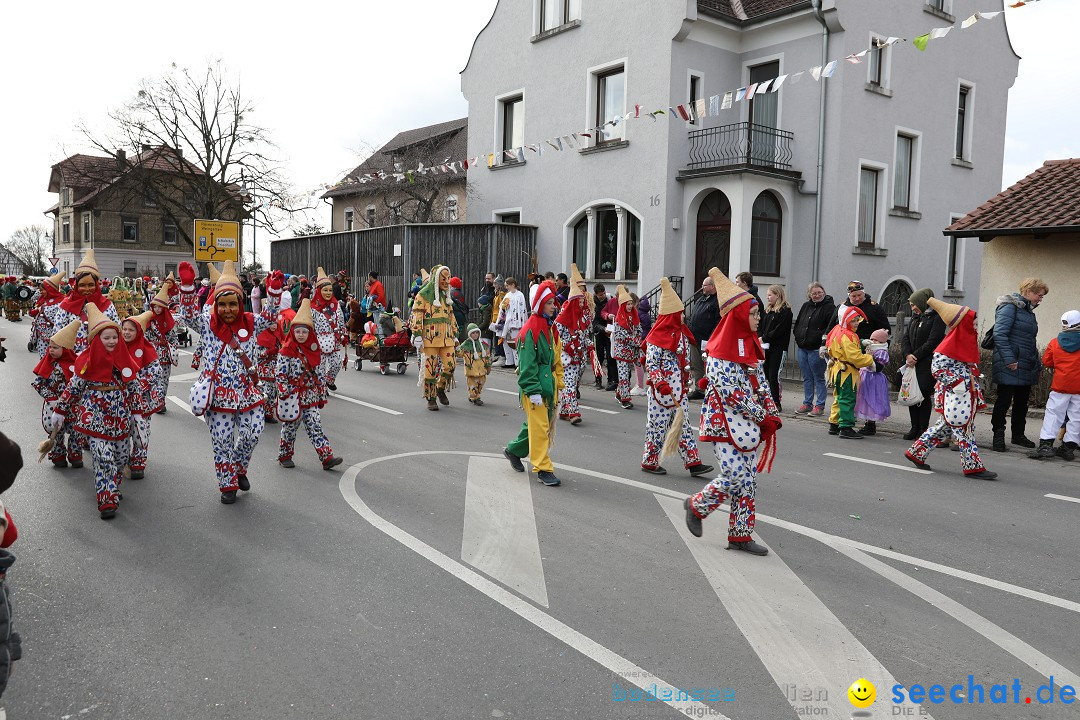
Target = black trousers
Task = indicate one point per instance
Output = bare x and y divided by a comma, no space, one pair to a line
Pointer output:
603,354
1016,396
772,373
920,414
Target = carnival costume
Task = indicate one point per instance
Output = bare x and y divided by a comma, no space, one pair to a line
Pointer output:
329,328
51,378
846,356
161,332
435,335
626,344
41,324
73,307
574,327
513,312
476,356
269,345
145,393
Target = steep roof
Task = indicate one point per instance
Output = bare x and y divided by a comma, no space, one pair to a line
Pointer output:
1046,201
431,145
749,11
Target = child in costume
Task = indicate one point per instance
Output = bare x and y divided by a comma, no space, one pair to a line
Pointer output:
476,356
540,380
227,393
626,344
302,390
1063,406
269,344
434,335
85,291
370,337
574,327
145,394
872,400
667,366
513,312
846,356
53,372
94,400
957,395
738,416
161,333
329,328
41,324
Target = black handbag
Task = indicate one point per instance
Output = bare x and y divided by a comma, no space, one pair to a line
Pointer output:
988,340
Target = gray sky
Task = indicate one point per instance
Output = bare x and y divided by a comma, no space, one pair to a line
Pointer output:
328,79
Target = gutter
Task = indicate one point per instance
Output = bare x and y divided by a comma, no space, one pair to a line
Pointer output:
990,233
821,143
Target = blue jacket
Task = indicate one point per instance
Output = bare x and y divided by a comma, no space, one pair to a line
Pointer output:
1015,330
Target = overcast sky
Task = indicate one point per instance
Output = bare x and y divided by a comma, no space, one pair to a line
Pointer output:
329,79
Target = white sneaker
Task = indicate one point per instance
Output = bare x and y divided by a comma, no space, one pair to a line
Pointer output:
639,391
498,361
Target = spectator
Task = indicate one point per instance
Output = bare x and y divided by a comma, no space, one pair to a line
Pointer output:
775,333
258,292
703,321
607,313
498,351
600,340
817,316
1016,363
746,281
562,289
245,286
204,291
417,283
461,308
924,333
876,319
377,288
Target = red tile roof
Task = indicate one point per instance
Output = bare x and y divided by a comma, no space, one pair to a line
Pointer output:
1047,200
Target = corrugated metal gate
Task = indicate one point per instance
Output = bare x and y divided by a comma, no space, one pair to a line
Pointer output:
395,252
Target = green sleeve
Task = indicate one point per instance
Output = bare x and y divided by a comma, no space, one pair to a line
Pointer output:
528,365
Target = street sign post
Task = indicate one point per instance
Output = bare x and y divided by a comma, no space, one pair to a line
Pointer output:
217,240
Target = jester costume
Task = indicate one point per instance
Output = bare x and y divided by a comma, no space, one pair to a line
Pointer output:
846,356
329,328
626,344
41,325
434,335
73,307
574,327
52,375
270,342
476,357
145,393
161,333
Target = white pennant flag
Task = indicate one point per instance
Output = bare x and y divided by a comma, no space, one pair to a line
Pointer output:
797,77
938,33
815,72
521,154
969,22
714,105
829,69
763,87
989,15
699,108
727,101
778,82
750,91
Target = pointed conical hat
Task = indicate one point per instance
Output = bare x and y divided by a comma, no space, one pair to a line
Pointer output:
670,302
303,315
88,265
321,279
65,337
142,318
56,279
214,273
576,281
950,314
728,294
623,295
424,275
228,282
162,298
96,321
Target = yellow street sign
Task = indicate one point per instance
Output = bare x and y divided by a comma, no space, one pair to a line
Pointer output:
217,241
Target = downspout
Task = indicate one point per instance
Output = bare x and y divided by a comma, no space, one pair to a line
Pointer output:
821,141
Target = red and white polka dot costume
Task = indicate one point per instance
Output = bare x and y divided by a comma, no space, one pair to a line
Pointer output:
300,384
574,326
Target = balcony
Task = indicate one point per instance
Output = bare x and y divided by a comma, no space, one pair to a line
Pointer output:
740,147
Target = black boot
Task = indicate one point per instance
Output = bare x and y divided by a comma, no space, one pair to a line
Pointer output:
515,461
834,429
999,441
693,522
1067,451
750,546
847,433
1045,451
869,428
1021,441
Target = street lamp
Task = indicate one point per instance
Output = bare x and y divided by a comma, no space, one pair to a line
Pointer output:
249,196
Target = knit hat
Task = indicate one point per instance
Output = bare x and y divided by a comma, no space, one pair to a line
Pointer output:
228,282
539,294
88,265
1070,320
949,313
473,327
303,315
321,279
728,294
205,282
499,281
65,337
670,303
214,273
919,298
96,321
455,282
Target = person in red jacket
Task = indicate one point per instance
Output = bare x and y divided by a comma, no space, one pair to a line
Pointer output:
1063,406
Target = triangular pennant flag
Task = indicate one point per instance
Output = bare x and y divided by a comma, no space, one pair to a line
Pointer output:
412,178
969,22
699,107
673,112
829,69
853,58
637,111
797,77
778,82
681,109
553,145
521,154
763,87
938,33
491,159
815,72
920,42
989,15
399,176
1018,5
740,94
750,91
727,101
714,105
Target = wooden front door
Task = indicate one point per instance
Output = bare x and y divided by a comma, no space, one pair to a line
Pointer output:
713,236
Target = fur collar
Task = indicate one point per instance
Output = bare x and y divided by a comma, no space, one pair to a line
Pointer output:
1014,299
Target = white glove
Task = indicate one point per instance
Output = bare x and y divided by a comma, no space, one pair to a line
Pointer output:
764,346
536,399
57,421
823,352
418,342
960,389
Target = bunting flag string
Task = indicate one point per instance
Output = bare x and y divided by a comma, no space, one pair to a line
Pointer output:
690,111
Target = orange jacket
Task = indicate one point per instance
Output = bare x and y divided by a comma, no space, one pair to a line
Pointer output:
1066,366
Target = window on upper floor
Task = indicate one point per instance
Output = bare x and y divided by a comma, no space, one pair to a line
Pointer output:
369,216
512,124
65,196
765,236
554,13
954,260
610,103
169,234
452,208
508,218
878,64
349,215
906,172
964,115
148,200
65,229
130,229
695,95
86,226
869,186
130,267
936,4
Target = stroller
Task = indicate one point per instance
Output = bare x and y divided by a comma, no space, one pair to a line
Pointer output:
392,346
183,335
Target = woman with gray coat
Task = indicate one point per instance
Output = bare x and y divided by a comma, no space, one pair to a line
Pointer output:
1016,362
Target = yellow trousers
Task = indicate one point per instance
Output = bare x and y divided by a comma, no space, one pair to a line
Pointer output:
439,364
532,440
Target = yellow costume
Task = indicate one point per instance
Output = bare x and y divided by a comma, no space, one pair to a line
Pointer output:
435,335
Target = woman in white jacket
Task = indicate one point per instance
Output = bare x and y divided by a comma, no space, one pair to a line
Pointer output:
512,316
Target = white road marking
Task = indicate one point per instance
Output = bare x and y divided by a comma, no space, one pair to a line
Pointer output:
994,633
1062,497
186,377
879,463
583,407
499,535
559,630
797,638
179,402
388,411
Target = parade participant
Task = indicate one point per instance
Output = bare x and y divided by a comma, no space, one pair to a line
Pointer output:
1062,356
10,292
329,329
145,393
42,327
85,291
476,356
227,392
872,398
161,332
626,344
957,395
53,372
737,415
435,335
513,312
540,380
269,344
574,327
667,368
302,390
846,356
94,399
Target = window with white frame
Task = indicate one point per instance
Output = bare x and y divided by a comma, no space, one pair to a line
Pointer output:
369,215
868,216
169,234
878,63
349,217
130,229
610,102
964,118
906,172
65,229
86,227
554,13
511,124
452,208
606,242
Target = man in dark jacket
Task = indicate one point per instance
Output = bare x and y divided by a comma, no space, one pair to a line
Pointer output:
703,321
600,337
924,333
876,319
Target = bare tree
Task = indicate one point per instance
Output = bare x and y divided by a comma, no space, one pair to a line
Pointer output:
187,145
31,245
311,228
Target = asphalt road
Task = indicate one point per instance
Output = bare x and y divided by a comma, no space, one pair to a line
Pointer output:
423,578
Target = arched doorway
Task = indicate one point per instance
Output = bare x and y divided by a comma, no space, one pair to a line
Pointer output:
713,235
894,298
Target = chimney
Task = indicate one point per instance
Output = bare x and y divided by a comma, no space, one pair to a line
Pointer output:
146,148
121,159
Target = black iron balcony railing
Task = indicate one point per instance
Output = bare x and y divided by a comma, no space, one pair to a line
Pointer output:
741,144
